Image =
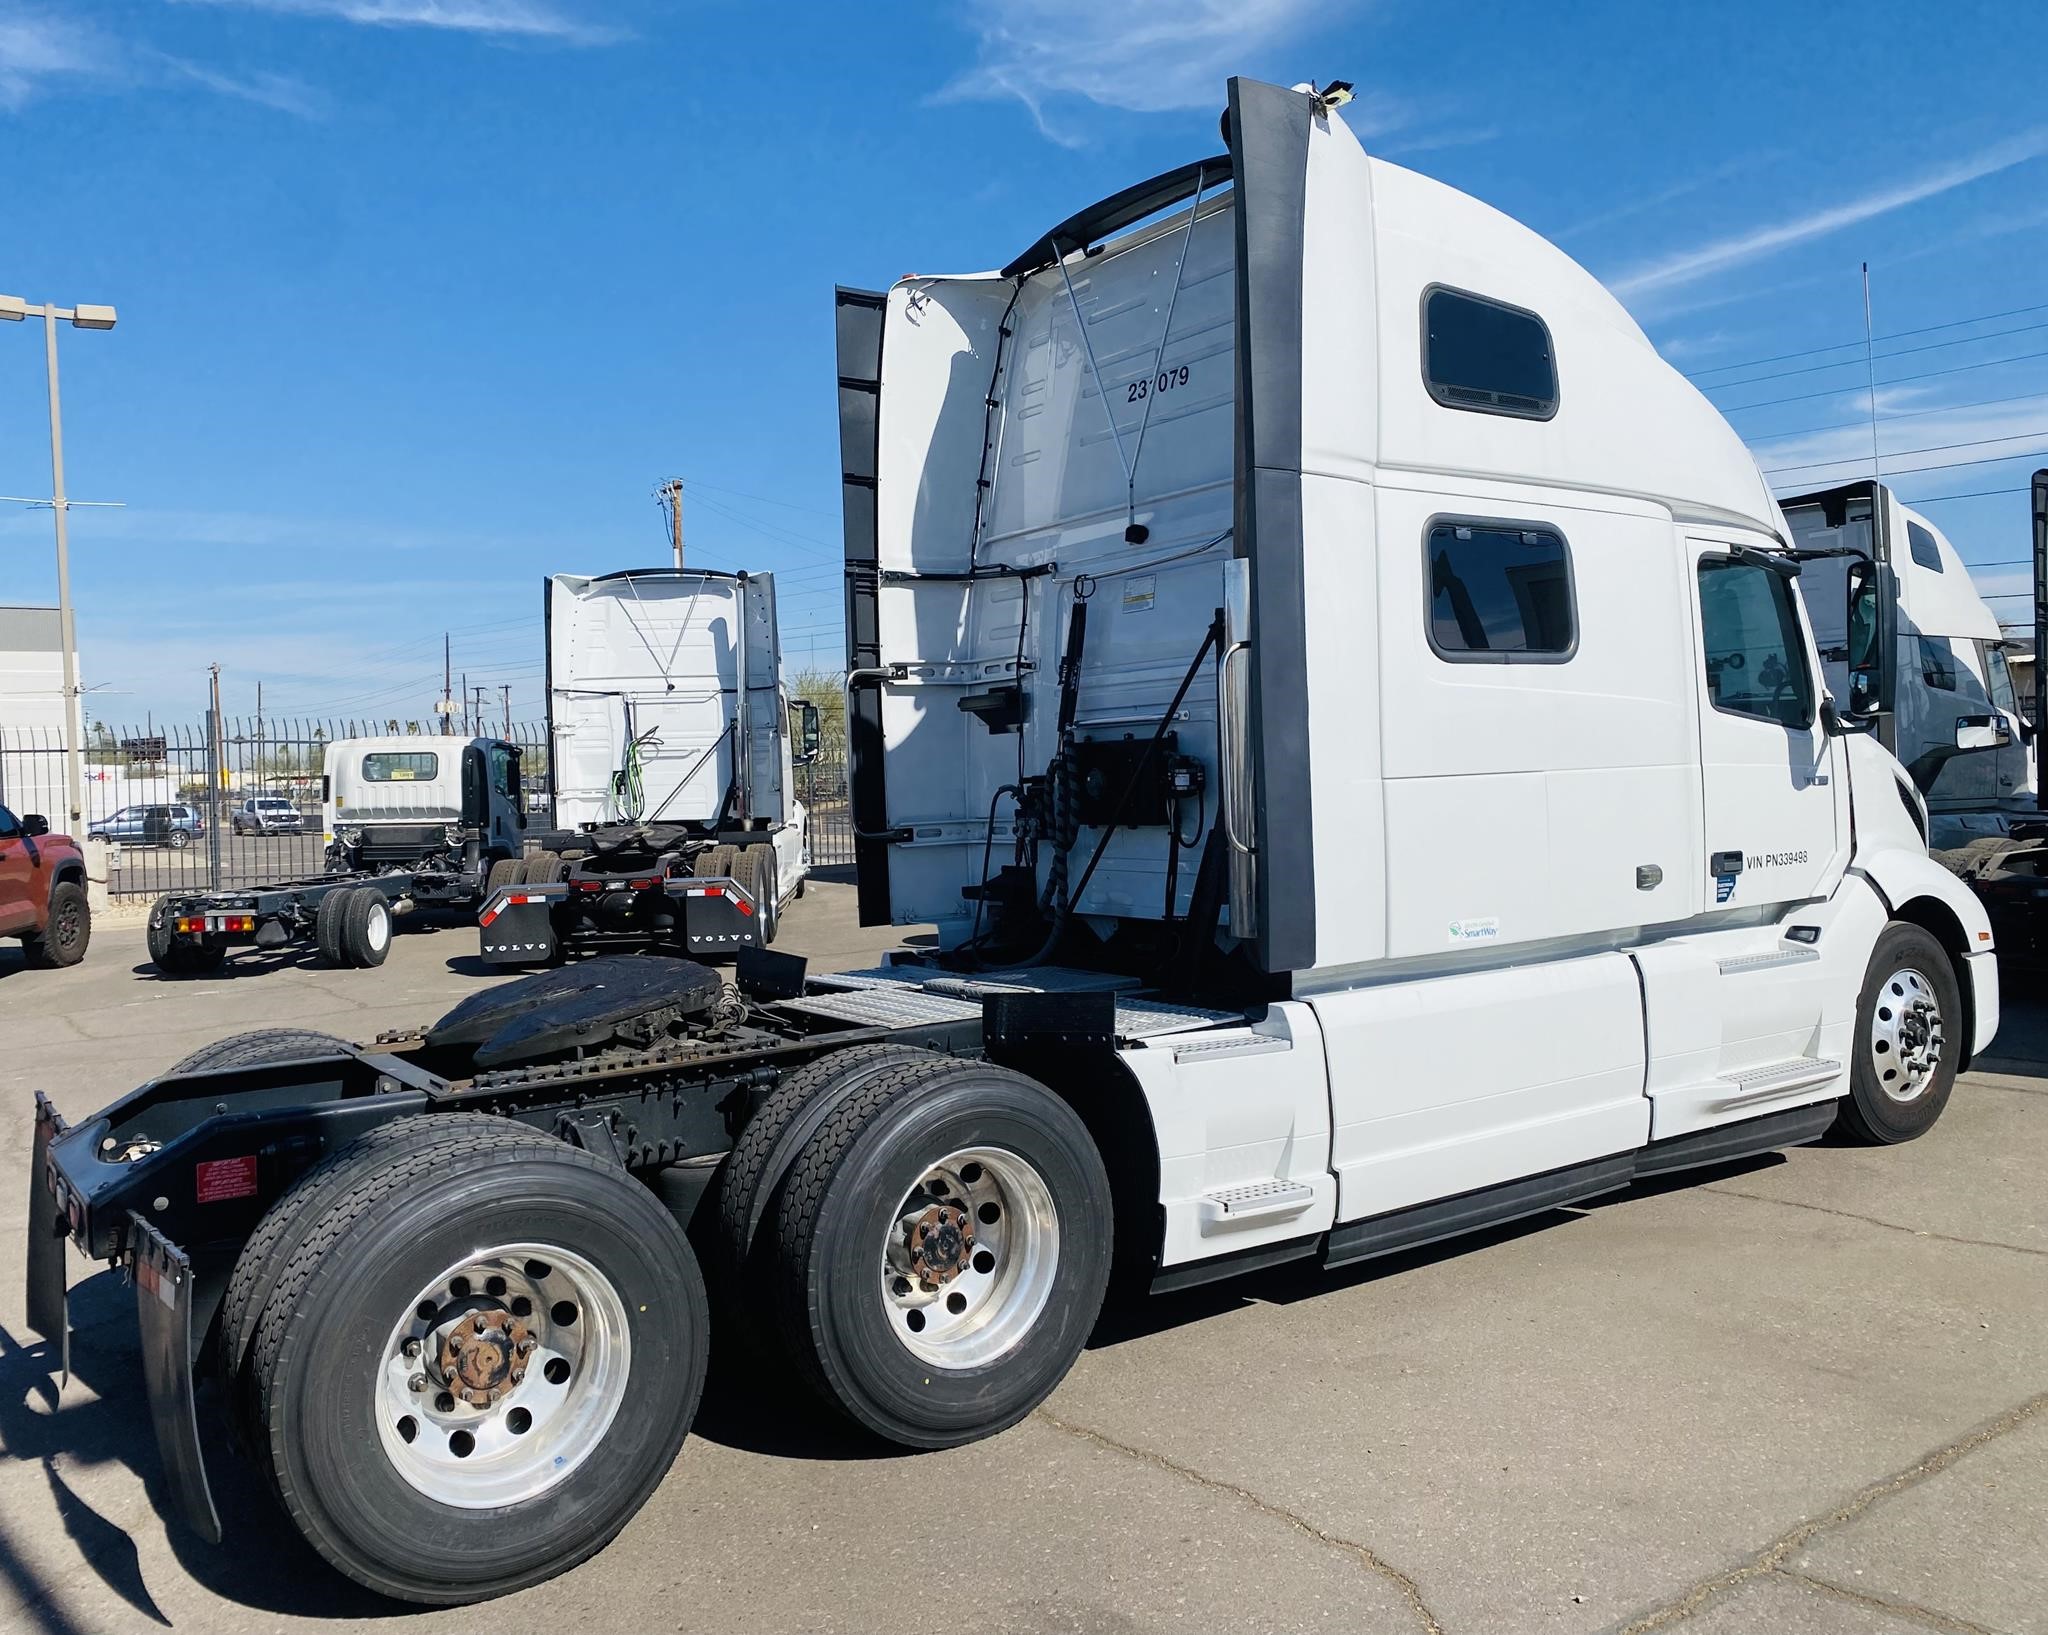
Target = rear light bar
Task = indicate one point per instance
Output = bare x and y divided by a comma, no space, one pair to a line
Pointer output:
200,924
511,899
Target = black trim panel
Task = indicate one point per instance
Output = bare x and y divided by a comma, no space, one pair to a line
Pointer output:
1473,1211
1726,1142
1269,133
859,317
1118,211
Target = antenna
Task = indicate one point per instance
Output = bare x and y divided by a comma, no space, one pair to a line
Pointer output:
1870,375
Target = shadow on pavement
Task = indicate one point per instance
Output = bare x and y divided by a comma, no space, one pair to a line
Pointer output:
263,1565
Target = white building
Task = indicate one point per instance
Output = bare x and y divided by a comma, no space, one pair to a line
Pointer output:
32,710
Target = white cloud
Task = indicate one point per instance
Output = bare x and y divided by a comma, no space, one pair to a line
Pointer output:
1144,56
1718,255
531,19
37,51
40,53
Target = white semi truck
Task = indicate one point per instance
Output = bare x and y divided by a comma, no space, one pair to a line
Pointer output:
1342,699
673,747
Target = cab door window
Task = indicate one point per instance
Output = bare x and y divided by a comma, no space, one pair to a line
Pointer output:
1755,647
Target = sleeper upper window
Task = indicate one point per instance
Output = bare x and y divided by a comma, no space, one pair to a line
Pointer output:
1499,593
1921,543
1756,657
1486,356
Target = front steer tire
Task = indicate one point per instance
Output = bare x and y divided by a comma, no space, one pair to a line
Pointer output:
389,1225
1885,1104
848,1197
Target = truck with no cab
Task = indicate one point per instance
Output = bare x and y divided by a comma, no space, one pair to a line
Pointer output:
1344,701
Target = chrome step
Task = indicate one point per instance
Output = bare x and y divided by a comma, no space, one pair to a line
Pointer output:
1259,1201
1754,1084
1743,964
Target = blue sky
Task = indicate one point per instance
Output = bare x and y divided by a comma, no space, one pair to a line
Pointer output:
420,299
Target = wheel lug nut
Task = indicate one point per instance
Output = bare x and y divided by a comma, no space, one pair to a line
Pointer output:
518,1374
411,1348
417,1383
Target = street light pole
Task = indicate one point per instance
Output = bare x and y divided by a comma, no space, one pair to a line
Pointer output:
81,317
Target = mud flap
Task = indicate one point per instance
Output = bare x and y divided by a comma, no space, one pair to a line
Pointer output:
517,927
718,916
164,1294
47,1303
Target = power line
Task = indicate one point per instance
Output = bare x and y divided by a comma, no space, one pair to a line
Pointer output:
791,505
1896,380
1895,335
1902,453
1973,494
1898,352
1908,414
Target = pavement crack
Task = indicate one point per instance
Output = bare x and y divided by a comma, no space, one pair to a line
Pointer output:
1773,1556
1872,1220
1410,1591
1947,1622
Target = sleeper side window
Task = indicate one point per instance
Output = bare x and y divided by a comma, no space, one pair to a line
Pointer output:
1921,543
1486,356
1937,665
1756,655
1499,593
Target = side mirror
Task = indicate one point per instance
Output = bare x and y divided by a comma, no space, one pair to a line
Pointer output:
810,735
1982,732
1839,723
33,824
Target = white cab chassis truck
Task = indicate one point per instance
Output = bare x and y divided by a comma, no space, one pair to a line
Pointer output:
1342,699
409,821
674,749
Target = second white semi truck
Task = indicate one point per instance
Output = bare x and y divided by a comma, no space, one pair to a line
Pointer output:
1343,700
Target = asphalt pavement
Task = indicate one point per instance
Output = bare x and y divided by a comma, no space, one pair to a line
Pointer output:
1805,1394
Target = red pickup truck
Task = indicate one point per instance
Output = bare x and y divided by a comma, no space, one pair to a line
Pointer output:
42,891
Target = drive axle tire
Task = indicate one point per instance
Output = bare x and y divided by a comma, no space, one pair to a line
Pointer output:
169,953
512,1268
1908,1040
754,868
366,928
762,1155
548,869
68,932
942,1249
328,920
714,863
264,1045
287,1224
507,871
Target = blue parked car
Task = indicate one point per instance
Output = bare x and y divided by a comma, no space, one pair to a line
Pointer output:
173,826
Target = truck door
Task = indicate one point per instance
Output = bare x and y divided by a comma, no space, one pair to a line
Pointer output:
1776,830
17,905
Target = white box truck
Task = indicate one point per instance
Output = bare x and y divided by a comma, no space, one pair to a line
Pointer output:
1344,701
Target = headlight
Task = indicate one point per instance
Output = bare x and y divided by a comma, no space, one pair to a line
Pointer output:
452,834
349,837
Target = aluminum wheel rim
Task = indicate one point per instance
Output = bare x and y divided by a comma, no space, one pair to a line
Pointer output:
554,1408
966,1303
1906,1035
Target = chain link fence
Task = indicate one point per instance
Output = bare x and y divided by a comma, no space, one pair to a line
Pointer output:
175,807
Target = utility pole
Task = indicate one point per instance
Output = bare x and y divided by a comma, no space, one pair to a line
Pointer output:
671,493
259,735
80,317
447,686
476,696
505,692
213,779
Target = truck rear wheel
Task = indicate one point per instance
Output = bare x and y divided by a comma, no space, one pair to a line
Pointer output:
264,1045
170,953
754,868
366,928
547,869
289,1222
942,1250
507,871
714,862
1909,1025
328,919
478,1363
777,1132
